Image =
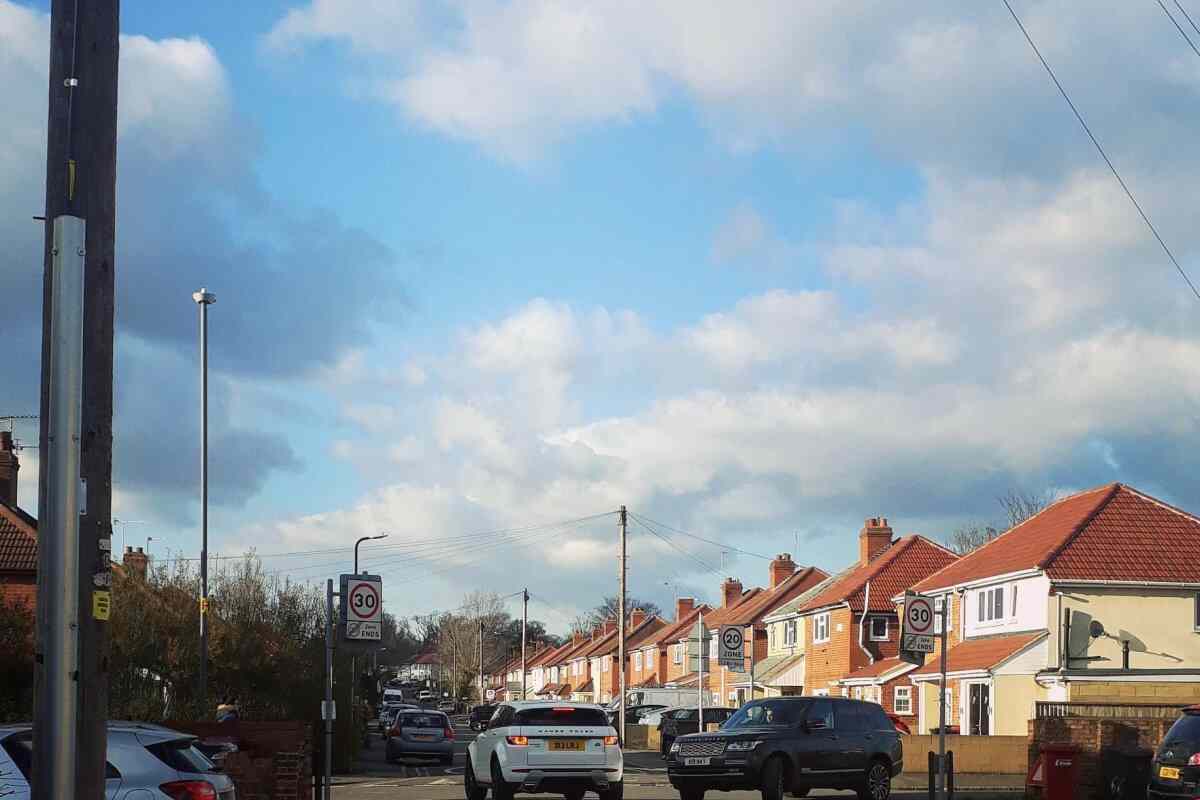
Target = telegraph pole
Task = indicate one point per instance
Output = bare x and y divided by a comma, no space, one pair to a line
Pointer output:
481,661
621,523
524,624
74,585
204,298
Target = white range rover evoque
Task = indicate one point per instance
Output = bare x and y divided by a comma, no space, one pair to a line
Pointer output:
554,747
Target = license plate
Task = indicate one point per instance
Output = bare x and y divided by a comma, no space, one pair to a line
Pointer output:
420,737
1171,773
697,762
567,744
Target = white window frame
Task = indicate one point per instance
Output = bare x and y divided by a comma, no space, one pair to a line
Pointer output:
821,623
937,614
712,649
637,661
902,693
886,628
991,605
858,693
604,664
789,633
677,654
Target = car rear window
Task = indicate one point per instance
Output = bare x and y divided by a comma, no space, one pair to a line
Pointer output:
20,750
1185,729
179,754
422,721
561,715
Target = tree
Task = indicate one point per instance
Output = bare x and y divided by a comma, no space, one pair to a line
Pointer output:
1018,506
608,609
16,661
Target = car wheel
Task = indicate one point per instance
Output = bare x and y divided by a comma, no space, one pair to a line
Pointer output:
774,779
472,789
501,789
878,783
615,791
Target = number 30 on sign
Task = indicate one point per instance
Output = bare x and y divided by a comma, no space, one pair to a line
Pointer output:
362,606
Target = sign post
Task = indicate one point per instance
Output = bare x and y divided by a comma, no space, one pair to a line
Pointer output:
732,653
362,608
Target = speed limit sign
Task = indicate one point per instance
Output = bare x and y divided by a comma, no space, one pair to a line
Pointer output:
362,607
916,635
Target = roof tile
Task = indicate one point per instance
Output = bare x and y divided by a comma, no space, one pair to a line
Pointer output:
907,561
18,540
982,653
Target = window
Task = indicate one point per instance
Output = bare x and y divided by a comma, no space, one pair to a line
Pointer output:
902,699
712,647
820,710
937,615
677,655
789,633
821,628
605,661
991,604
560,716
858,693
637,661
879,629
1196,615
761,713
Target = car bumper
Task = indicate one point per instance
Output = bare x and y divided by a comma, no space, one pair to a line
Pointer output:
550,779
431,749
720,773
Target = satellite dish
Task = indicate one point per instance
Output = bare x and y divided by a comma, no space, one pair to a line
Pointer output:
1096,629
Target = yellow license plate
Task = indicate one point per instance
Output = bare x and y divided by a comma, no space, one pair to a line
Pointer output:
1169,772
567,744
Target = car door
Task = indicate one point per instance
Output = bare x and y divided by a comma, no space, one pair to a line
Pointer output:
817,745
485,742
850,724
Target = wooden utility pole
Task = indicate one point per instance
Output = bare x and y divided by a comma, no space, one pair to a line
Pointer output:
81,162
621,525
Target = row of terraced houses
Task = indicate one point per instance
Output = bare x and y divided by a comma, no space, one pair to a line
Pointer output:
1096,598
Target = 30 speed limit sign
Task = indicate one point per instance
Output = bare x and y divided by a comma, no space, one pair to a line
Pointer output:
362,604
916,634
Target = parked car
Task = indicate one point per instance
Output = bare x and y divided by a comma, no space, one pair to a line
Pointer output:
447,706
789,745
633,714
143,761
1175,770
653,719
480,714
427,734
682,721
537,746
425,695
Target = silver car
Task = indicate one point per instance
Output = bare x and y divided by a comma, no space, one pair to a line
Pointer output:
424,734
145,762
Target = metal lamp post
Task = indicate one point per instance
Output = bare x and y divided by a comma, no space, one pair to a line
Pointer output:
360,541
354,659
204,298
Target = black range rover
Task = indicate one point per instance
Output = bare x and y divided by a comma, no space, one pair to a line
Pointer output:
788,745
1175,771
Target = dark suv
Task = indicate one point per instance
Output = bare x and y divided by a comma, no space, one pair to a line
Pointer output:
1175,771
788,745
680,721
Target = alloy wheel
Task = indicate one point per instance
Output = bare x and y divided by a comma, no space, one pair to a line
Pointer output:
878,782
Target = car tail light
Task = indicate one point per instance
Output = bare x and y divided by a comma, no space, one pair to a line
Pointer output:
189,790
610,740
449,732
1194,761
519,741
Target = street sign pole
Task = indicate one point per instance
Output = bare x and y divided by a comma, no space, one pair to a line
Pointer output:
327,706
700,656
942,710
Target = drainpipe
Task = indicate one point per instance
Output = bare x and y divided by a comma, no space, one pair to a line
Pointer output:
863,623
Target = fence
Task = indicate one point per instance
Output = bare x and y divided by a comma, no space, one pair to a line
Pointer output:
1077,710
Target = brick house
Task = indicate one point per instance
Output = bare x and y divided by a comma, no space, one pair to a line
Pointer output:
658,657
561,683
851,623
602,657
18,533
1096,598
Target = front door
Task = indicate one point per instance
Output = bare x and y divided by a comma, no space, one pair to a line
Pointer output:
980,709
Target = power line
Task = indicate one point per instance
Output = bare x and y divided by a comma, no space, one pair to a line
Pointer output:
722,545
1179,27
1183,11
701,562
1100,150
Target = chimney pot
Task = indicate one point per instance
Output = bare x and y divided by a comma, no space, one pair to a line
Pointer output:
873,539
683,607
781,569
731,592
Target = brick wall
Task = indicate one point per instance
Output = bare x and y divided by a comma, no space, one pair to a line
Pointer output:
20,588
274,759
828,661
1092,736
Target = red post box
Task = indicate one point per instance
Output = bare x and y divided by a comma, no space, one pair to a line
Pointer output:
1060,763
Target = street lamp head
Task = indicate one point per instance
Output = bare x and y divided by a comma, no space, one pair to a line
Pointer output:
204,297
380,536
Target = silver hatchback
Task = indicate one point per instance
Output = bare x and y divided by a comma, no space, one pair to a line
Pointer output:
145,762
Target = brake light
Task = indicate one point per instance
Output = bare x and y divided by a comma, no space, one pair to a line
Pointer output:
1194,761
562,709
189,790
449,732
609,741
518,741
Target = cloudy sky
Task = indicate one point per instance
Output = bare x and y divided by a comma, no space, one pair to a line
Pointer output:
756,271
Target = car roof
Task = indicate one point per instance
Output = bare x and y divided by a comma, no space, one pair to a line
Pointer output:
114,726
521,704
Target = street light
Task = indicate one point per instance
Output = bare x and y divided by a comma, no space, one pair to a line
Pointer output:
360,541
204,298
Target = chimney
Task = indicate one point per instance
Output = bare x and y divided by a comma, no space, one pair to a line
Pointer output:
610,625
136,561
873,539
782,568
731,592
596,631
9,465
636,618
577,637
684,606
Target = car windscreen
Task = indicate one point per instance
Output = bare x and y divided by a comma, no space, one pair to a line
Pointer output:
422,721
179,754
561,715
1185,729
767,713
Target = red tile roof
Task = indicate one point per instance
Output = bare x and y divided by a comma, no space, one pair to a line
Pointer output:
586,687
1110,533
18,540
755,608
879,668
677,630
905,562
982,653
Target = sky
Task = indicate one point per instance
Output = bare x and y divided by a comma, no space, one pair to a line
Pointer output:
486,271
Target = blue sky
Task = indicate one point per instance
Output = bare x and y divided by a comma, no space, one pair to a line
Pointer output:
757,273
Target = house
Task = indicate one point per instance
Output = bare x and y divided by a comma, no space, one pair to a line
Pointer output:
783,674
538,666
602,657
851,623
18,534
1096,598
659,656
744,608
560,683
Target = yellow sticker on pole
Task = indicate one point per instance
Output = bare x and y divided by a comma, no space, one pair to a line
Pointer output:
203,605
101,605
